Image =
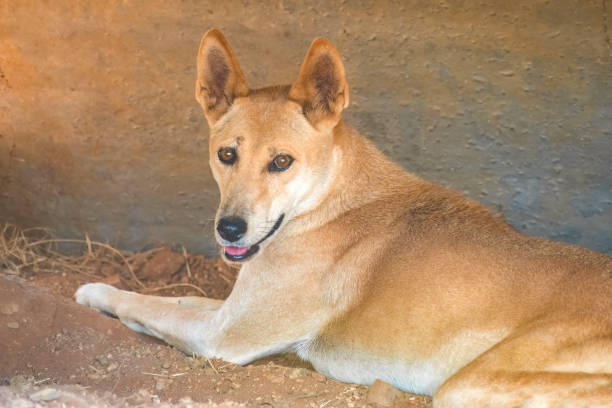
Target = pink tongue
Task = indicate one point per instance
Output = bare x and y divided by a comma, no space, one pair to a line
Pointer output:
236,251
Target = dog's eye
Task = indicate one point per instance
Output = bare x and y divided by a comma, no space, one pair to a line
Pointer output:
281,162
227,155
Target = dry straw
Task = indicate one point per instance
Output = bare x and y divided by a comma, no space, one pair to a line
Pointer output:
36,250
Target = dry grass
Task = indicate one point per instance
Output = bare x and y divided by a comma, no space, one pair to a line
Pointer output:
36,250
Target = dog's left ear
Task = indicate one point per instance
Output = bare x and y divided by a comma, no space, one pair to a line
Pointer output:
220,79
321,86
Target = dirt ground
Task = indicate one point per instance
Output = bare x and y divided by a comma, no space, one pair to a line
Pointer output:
58,353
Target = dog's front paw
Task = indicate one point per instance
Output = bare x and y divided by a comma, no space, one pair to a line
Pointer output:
97,296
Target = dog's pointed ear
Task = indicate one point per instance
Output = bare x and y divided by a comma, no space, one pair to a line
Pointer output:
321,86
220,79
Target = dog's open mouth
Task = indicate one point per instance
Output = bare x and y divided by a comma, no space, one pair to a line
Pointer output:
241,253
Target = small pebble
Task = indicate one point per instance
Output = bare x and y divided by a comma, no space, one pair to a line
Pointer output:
298,372
13,325
9,308
382,394
319,377
46,394
161,384
479,78
275,379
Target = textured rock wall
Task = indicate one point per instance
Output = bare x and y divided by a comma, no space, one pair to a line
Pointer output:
508,101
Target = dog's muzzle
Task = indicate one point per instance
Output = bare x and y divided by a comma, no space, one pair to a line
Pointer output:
241,253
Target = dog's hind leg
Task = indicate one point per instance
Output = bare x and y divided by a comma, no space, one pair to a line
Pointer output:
503,389
552,366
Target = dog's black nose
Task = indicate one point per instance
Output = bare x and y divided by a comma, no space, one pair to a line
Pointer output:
231,228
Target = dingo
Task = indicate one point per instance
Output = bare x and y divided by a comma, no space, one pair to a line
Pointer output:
369,272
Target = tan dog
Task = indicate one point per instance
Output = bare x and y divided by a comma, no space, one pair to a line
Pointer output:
369,272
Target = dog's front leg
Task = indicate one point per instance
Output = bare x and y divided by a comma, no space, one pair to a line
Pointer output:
180,321
238,330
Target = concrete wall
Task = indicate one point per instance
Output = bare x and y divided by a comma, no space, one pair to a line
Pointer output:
508,101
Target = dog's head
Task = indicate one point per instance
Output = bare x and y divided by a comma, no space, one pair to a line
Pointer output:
272,150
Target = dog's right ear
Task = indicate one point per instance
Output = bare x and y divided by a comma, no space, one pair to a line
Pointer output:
220,79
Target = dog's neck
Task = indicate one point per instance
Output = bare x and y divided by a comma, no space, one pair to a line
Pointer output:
359,163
